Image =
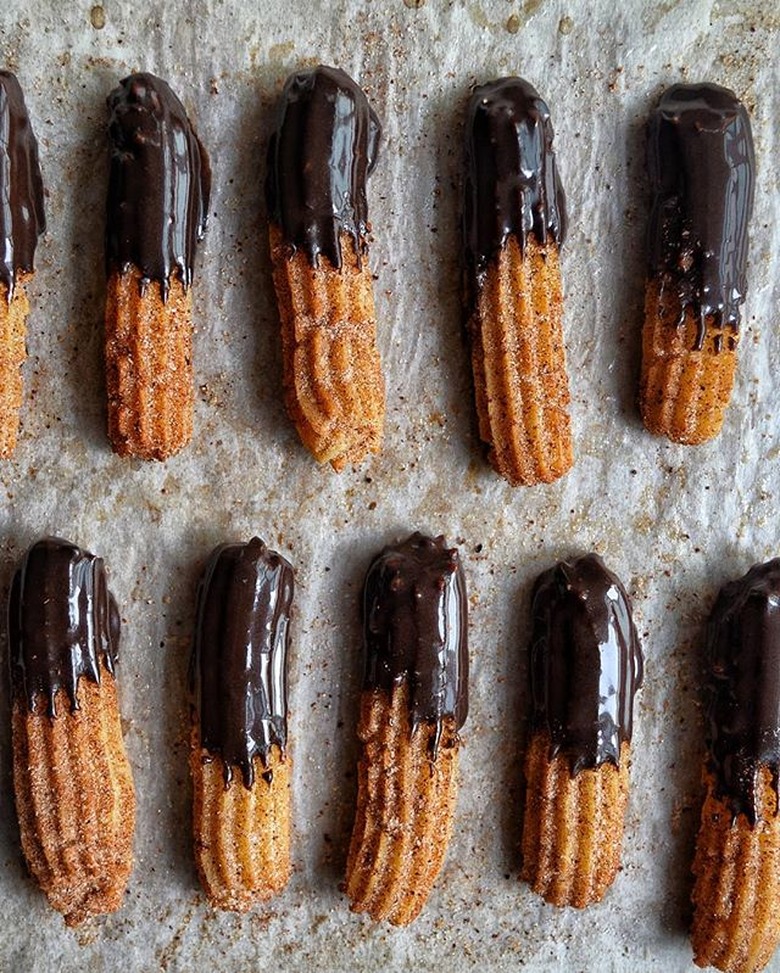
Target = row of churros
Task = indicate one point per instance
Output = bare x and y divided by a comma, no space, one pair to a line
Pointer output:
74,789
324,146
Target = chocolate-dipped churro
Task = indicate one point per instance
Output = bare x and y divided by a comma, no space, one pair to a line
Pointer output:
702,173
321,153
158,198
413,704
242,822
514,223
22,221
736,922
586,665
72,780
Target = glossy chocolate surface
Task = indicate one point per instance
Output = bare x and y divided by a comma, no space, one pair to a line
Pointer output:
743,656
239,668
63,623
702,174
22,219
324,147
415,620
159,183
512,183
586,661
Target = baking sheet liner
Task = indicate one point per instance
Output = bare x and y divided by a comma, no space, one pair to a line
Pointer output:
674,522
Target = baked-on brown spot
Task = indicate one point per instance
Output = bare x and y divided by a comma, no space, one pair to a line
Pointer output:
149,374
736,920
13,352
405,808
573,825
241,835
75,799
519,363
684,389
333,385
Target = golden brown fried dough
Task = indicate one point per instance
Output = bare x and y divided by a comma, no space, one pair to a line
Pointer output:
736,923
149,376
573,825
334,390
13,352
405,808
519,363
241,834
75,799
686,381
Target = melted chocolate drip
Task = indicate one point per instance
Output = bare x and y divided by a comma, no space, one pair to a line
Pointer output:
415,629
239,665
159,183
512,184
743,655
586,662
62,622
702,172
22,219
324,147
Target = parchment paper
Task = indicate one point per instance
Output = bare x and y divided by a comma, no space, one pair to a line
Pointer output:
674,522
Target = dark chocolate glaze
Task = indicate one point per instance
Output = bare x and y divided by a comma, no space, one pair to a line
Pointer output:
22,219
586,662
63,623
743,657
159,183
239,664
324,147
512,183
702,174
415,619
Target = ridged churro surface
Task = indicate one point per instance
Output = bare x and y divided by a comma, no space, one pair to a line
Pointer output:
149,374
573,825
334,389
13,352
405,807
74,799
736,923
241,834
687,369
519,364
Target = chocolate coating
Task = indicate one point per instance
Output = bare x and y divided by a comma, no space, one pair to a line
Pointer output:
512,183
159,183
743,657
415,619
702,174
239,664
22,219
323,149
586,662
63,623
